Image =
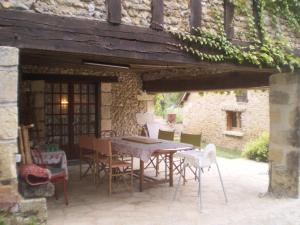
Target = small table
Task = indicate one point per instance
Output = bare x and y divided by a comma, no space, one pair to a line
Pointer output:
145,150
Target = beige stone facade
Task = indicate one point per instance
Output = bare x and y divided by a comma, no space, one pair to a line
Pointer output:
206,114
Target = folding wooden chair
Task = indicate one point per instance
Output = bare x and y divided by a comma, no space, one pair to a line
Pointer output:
115,165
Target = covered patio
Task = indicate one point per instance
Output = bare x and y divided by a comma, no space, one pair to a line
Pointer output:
246,183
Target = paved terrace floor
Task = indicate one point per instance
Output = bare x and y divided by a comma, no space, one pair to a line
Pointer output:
244,180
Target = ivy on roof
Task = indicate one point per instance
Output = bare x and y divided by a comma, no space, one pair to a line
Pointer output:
262,51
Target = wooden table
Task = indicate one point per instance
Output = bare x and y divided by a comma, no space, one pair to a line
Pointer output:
144,151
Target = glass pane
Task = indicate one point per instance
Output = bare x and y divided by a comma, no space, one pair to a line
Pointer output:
92,109
83,119
84,99
48,87
56,139
84,129
64,88
76,88
56,98
48,98
48,109
92,99
92,89
64,119
64,109
84,88
92,129
49,120
92,118
57,130
65,140
49,130
76,119
65,130
56,88
83,108
56,109
76,98
76,140
77,108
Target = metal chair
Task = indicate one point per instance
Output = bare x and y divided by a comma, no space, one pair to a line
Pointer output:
200,160
87,154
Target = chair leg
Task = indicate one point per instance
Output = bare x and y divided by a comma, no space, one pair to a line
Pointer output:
157,166
55,191
221,180
178,183
66,191
110,182
199,190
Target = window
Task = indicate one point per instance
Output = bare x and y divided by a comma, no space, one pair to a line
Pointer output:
241,96
234,121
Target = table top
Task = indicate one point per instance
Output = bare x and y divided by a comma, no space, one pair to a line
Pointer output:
145,151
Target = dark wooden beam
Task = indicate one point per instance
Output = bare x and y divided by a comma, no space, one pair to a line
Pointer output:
228,18
157,19
196,13
43,32
226,81
114,14
56,77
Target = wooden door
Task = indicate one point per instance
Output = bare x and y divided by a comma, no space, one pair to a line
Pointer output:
71,111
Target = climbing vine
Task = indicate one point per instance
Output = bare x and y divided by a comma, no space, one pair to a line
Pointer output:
212,46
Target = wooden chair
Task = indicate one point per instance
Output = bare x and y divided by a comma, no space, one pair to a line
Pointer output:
87,154
115,165
156,160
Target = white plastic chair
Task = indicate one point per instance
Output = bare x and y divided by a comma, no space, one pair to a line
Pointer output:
200,160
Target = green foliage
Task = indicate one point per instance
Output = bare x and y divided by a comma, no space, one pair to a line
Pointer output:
215,47
258,148
165,102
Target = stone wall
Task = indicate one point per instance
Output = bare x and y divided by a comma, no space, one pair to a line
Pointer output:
284,148
207,115
8,124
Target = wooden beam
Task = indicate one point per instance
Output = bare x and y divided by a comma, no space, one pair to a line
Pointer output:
58,77
228,18
69,35
196,13
114,14
226,81
157,19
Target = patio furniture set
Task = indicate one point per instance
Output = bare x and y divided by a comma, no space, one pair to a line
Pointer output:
113,155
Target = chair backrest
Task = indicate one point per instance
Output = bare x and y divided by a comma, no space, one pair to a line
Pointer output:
166,135
209,155
86,142
152,129
193,139
103,146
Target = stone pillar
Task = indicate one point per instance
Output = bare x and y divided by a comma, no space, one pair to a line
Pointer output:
105,107
284,145
8,124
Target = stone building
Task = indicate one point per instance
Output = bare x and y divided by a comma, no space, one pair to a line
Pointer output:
229,120
79,67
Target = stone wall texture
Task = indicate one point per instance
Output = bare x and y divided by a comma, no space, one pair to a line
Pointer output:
138,12
284,148
206,114
8,118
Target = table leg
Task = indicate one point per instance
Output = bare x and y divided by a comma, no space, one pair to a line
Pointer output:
141,175
171,169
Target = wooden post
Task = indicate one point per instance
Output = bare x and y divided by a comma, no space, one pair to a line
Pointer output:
114,11
157,19
196,14
228,18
